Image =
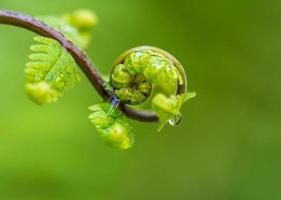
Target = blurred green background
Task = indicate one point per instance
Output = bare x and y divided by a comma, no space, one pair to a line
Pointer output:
228,147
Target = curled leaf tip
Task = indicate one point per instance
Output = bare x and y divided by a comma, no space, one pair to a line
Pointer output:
190,95
41,93
168,108
141,69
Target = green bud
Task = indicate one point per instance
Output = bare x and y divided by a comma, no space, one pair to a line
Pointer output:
168,108
76,27
41,93
120,77
117,136
51,71
82,19
112,126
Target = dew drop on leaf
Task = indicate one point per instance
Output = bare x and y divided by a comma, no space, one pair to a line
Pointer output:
176,120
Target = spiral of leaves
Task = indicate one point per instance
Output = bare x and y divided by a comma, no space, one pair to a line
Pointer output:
144,78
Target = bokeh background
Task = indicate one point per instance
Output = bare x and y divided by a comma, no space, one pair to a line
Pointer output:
228,147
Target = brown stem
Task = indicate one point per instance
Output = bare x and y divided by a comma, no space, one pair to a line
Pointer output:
34,25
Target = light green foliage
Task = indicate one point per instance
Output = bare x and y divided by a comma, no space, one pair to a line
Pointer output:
76,26
112,126
50,72
41,92
143,73
168,108
84,21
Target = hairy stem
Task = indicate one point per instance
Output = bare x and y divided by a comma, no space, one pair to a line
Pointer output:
34,25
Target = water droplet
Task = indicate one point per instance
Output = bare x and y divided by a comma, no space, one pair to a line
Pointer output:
114,104
176,120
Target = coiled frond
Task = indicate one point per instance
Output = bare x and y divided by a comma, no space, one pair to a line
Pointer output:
150,73
138,70
130,88
147,82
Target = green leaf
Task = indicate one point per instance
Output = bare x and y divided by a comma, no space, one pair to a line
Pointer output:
76,27
51,71
112,126
168,108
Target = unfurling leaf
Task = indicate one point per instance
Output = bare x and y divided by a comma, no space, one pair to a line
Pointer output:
51,71
168,108
112,126
141,71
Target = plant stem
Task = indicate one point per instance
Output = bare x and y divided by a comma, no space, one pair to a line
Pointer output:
34,25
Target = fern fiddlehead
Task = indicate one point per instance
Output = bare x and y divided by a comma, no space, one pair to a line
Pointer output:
146,83
151,73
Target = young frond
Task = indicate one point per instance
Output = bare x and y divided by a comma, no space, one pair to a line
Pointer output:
50,72
112,126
